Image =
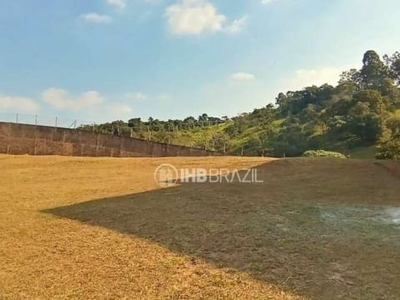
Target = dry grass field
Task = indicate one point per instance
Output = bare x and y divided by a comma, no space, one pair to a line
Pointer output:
90,228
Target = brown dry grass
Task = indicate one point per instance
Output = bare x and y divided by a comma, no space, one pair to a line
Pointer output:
89,228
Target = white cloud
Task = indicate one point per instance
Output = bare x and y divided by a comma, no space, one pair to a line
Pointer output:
97,18
60,99
236,26
193,17
117,3
136,96
140,97
308,77
241,76
18,104
265,2
90,105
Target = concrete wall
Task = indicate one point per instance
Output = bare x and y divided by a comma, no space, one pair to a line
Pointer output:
43,140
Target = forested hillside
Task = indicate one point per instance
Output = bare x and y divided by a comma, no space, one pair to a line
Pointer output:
359,115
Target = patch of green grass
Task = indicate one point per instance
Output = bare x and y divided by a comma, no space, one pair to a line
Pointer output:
363,153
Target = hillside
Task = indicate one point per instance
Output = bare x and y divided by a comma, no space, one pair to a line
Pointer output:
359,117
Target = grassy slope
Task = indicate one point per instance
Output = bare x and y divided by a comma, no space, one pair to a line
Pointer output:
90,228
197,136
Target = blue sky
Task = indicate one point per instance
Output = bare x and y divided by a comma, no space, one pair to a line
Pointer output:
101,60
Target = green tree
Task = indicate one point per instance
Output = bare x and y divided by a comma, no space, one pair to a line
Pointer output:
351,76
364,124
374,100
393,62
374,71
389,144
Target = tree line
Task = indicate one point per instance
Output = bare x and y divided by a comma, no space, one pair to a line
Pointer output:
362,110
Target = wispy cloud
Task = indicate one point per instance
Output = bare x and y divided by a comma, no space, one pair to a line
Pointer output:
91,104
236,26
60,99
242,76
96,18
318,76
18,104
121,4
136,96
265,2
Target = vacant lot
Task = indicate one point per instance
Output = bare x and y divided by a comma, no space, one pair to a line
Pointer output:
89,228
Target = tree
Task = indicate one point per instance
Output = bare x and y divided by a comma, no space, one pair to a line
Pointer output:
190,122
282,102
203,119
389,144
351,76
364,124
135,124
393,63
220,142
290,141
373,98
373,72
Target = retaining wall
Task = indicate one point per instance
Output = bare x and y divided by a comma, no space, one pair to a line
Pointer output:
45,140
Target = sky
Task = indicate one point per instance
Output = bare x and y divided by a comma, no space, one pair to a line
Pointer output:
105,60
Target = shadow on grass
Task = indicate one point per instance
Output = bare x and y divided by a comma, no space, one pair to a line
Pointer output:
264,229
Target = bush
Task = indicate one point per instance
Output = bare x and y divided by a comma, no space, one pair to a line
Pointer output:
383,155
323,153
389,150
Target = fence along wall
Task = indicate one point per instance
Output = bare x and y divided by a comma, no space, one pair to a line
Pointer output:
46,140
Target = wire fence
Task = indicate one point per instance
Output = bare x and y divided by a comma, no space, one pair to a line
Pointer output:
43,120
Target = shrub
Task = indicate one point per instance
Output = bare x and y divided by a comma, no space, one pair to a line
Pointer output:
323,153
389,150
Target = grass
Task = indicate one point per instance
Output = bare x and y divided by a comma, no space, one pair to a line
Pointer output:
363,152
90,228
199,136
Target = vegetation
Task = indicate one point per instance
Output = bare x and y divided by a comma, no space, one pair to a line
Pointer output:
389,145
361,112
323,153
